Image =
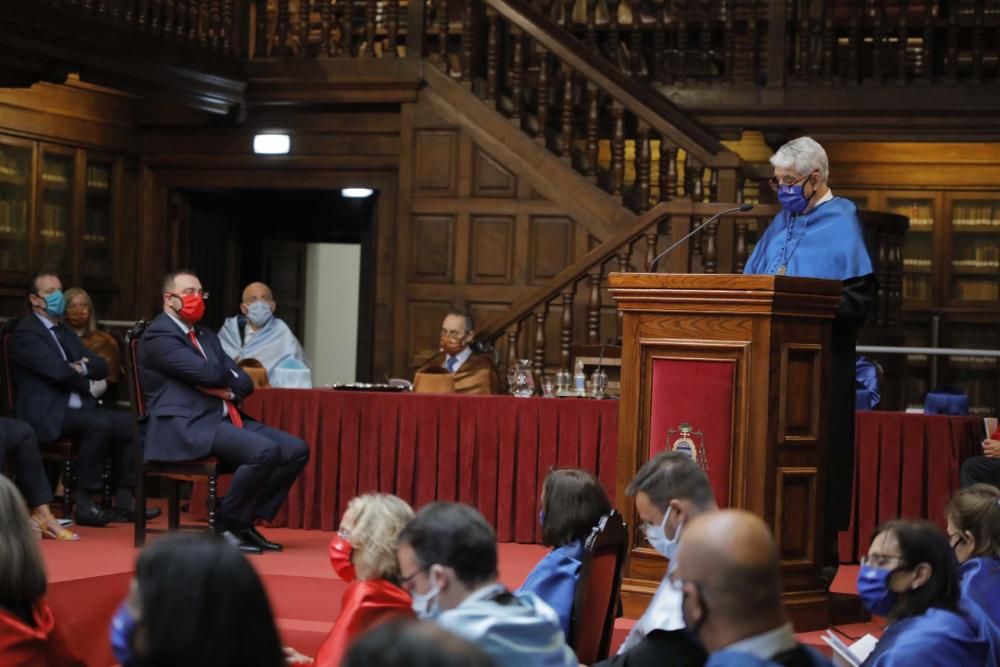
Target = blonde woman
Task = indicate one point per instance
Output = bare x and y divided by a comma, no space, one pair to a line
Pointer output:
29,636
81,318
363,553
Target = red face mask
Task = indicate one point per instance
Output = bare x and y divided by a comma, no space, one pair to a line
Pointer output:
340,558
451,346
192,307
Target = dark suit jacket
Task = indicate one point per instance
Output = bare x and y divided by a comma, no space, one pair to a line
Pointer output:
181,421
43,380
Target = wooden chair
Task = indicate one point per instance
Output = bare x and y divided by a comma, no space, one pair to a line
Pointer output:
62,450
172,472
597,593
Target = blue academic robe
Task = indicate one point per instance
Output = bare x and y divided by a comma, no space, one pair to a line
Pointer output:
271,345
554,580
981,585
939,638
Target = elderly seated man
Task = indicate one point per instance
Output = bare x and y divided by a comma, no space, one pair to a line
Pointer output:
257,334
457,368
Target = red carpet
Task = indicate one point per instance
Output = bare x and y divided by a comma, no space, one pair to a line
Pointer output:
89,578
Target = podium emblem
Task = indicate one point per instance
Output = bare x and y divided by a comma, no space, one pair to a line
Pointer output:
688,441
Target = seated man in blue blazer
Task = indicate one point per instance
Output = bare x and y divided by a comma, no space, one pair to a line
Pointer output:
57,382
192,389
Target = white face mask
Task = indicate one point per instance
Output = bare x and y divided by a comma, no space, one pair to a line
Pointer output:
426,605
259,313
658,538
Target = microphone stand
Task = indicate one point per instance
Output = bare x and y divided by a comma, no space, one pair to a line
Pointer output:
743,208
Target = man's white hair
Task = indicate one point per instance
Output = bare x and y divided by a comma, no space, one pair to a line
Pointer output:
803,156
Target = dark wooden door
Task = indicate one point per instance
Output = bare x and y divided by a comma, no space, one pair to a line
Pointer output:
283,268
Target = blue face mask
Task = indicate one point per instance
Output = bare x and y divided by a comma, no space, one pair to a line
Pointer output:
667,547
793,199
259,313
123,625
541,517
873,589
55,304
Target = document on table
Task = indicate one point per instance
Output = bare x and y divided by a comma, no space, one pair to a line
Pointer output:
853,655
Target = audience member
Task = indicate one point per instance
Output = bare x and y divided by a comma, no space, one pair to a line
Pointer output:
57,382
468,372
986,467
195,601
407,643
29,636
257,334
363,553
448,562
974,534
82,319
670,490
573,501
192,389
729,574
18,446
911,577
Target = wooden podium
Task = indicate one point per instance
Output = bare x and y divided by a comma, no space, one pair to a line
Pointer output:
743,361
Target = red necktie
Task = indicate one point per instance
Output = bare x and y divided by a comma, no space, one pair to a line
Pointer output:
234,414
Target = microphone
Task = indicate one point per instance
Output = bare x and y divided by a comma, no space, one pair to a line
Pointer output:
742,208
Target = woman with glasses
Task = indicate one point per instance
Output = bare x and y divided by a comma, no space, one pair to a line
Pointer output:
819,235
974,535
573,501
910,577
363,553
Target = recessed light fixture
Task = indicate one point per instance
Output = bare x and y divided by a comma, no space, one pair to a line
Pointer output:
357,193
271,144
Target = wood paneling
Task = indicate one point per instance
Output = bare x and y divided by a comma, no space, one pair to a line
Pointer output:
426,318
436,163
490,178
796,511
433,249
800,393
491,252
551,247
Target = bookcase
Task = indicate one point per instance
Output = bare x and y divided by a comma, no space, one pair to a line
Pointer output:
951,279
58,208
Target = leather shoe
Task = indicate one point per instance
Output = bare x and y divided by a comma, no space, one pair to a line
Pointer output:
252,536
235,541
125,515
94,516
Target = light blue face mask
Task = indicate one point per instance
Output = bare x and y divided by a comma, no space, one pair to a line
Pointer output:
259,313
658,538
55,303
426,605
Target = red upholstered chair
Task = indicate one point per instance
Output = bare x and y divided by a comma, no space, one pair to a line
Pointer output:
596,602
172,472
63,450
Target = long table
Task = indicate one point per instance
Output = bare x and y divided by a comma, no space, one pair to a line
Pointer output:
493,452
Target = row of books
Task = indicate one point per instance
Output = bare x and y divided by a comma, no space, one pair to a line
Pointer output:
916,287
53,221
98,177
979,252
13,216
976,215
976,290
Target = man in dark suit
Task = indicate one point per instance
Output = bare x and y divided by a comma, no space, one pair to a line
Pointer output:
57,386
192,389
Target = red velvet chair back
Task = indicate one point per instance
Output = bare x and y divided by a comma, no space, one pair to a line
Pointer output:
8,375
134,376
597,592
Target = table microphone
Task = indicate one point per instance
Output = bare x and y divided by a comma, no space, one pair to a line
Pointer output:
743,208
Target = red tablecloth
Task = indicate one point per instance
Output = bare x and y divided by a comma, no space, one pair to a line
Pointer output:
492,452
905,466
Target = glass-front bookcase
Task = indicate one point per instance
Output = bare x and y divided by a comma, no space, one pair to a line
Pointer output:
16,181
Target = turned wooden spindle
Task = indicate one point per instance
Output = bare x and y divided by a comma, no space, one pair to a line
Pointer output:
614,33
194,22
512,355
443,26
180,19
568,14
902,37
878,39
468,35
215,21
854,44
516,73
542,93
668,170
566,332
713,185
729,40
168,16
392,28
651,240
538,361
228,21
681,40
617,149
694,174
829,42
304,11
978,44
705,36
709,250
325,16
156,7
643,167
371,6
590,33
927,58
624,257
284,15
741,251
593,128
594,308
637,64
566,113
492,53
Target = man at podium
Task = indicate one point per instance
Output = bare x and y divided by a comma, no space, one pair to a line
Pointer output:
818,235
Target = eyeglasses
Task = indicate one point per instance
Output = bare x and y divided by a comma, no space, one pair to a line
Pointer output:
454,335
774,182
880,561
190,292
406,580
954,539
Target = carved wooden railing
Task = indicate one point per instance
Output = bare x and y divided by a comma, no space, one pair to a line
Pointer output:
573,308
216,26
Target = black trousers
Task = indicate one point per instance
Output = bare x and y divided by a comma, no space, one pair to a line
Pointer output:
981,469
267,461
18,445
102,432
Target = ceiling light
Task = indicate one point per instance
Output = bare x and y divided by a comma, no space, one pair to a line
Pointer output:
357,193
271,144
